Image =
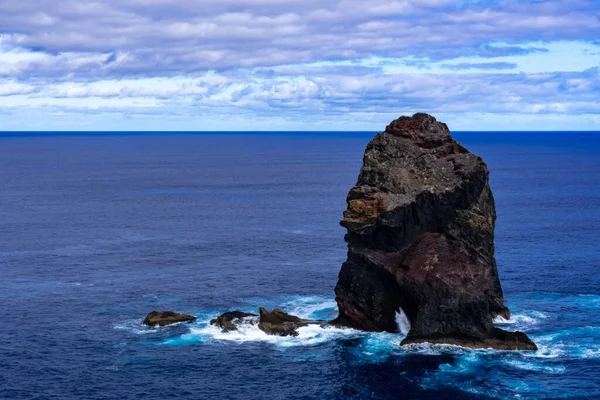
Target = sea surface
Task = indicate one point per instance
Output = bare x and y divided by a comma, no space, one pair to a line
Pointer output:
98,230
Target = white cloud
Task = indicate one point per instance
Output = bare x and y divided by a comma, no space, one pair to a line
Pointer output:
299,60
11,88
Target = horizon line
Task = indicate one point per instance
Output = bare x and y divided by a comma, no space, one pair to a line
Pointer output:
140,132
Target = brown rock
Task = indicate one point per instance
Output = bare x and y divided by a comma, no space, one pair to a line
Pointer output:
163,318
279,323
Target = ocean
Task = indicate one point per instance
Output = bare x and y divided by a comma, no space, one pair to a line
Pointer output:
98,230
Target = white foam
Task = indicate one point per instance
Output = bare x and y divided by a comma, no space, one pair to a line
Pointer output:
248,331
530,319
575,343
402,322
529,366
544,351
305,307
590,353
376,346
136,327
500,320
379,344
436,349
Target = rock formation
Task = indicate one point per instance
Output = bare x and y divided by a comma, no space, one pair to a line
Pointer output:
420,237
163,318
274,322
279,323
229,321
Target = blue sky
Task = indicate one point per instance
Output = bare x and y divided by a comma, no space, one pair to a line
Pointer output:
298,64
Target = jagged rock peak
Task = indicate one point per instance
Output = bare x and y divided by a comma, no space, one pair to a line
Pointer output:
417,125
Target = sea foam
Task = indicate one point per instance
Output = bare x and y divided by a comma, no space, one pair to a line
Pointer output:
573,343
248,331
402,322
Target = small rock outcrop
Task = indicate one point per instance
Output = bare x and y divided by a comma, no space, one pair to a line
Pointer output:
279,323
420,224
276,322
163,318
229,321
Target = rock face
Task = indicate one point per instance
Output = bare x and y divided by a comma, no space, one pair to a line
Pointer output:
420,224
163,318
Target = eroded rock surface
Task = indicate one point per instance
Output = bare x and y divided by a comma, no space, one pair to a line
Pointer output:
163,318
420,237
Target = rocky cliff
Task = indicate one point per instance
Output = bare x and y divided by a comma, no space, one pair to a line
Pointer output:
420,224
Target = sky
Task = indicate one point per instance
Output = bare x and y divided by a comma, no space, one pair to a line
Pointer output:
338,65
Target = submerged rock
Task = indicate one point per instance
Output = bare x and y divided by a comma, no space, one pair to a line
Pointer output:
420,237
163,318
229,321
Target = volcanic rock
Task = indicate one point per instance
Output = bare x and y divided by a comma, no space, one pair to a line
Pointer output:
279,323
420,233
163,318
229,321
274,322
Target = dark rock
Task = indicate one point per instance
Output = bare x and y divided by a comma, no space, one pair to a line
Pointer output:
280,323
229,321
499,339
163,318
274,322
420,224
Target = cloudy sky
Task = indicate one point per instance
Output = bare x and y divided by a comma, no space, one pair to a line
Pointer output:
298,64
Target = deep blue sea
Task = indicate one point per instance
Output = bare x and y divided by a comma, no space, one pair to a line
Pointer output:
96,231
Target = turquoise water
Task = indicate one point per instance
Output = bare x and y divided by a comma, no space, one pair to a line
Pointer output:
96,231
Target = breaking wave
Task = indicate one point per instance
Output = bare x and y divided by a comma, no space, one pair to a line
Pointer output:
402,322
582,342
248,332
556,346
525,320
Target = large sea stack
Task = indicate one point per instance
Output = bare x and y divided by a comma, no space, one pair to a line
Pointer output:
420,224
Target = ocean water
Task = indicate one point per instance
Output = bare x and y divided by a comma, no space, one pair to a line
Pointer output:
96,231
